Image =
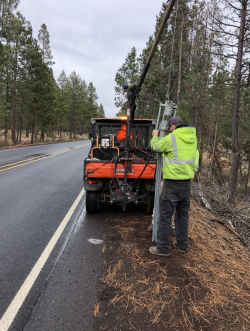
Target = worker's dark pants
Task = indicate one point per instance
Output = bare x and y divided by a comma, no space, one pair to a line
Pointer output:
175,195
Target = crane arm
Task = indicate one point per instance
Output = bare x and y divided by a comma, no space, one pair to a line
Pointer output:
134,90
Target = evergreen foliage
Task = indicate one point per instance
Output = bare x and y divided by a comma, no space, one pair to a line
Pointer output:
202,64
43,38
31,100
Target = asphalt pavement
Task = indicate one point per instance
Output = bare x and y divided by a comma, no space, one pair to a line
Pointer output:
42,189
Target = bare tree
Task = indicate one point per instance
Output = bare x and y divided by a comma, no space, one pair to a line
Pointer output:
236,103
232,25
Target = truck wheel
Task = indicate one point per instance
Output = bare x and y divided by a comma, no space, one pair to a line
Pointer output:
150,203
92,202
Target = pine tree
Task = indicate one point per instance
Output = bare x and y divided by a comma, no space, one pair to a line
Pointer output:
92,100
6,13
30,98
152,87
128,73
101,112
44,42
63,102
78,103
232,42
41,87
17,36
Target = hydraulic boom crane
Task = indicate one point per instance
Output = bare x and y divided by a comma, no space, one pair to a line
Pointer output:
120,167
134,90
132,94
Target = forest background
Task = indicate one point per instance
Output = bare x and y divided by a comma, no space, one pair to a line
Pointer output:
201,64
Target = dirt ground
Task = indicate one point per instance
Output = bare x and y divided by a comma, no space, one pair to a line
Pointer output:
208,288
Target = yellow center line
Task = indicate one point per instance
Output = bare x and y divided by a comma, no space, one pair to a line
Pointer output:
33,159
37,158
22,161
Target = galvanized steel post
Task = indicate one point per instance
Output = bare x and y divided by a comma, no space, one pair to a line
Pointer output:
169,110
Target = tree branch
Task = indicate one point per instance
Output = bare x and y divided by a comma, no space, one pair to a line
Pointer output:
230,4
217,43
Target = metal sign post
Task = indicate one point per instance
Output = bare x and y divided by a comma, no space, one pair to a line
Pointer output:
169,111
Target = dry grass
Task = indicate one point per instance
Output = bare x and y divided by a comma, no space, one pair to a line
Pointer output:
206,289
221,264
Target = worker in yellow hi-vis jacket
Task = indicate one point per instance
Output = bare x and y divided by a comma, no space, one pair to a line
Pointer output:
179,162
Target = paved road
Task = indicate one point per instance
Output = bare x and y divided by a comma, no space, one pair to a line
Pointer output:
49,263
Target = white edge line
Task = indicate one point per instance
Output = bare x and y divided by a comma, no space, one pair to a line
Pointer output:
18,300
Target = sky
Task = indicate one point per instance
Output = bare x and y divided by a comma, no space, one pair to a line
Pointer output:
94,37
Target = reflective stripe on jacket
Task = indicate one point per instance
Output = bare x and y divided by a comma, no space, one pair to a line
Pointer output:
180,155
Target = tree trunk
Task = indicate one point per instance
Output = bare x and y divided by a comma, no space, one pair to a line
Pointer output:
33,128
17,134
248,173
32,133
207,149
233,179
172,50
6,128
20,136
13,124
232,185
71,123
214,144
35,132
19,128
6,124
245,104
42,136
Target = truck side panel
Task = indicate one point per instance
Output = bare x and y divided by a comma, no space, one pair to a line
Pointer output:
102,170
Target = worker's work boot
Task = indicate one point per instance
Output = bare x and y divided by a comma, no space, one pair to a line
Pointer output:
150,228
180,250
156,251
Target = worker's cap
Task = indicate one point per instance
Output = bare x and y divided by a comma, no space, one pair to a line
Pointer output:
175,120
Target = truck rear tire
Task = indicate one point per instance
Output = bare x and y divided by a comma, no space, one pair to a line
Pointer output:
92,202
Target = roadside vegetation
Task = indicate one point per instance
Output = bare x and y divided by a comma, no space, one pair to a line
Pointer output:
32,101
54,137
208,288
202,65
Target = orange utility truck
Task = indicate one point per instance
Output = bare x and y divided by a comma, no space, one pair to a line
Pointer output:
120,167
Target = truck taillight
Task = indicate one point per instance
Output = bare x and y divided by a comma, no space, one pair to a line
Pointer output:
91,182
